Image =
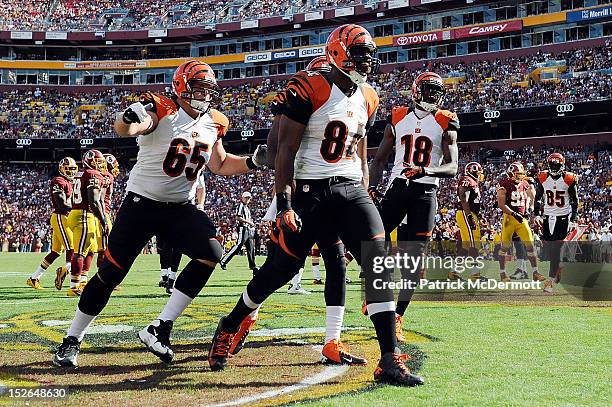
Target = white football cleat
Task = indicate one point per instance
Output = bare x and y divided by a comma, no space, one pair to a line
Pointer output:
297,289
156,337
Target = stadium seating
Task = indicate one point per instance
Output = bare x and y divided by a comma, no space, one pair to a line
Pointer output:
483,85
25,207
82,15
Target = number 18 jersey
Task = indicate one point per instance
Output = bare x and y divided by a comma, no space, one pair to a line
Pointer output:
335,123
419,141
171,157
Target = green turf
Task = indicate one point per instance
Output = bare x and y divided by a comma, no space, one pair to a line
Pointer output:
497,351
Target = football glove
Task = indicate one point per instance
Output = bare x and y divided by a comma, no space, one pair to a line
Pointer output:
259,155
288,221
412,171
135,113
375,194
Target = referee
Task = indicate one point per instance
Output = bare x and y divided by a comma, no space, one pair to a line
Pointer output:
246,234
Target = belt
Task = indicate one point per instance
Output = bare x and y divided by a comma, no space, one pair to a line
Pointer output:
162,203
324,181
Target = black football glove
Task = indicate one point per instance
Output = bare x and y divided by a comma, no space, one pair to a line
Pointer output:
375,195
259,155
135,113
412,171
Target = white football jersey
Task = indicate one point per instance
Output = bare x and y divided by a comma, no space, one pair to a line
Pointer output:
556,197
337,123
171,157
419,141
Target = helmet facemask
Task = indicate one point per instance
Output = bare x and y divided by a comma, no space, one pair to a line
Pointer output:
429,95
360,63
200,94
555,167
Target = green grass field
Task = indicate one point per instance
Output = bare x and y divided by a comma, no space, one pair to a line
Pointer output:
492,351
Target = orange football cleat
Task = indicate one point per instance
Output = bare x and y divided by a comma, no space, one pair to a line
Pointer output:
336,353
241,335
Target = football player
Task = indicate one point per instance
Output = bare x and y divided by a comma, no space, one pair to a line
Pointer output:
322,150
334,350
558,190
177,137
468,213
107,196
425,142
87,211
61,237
514,195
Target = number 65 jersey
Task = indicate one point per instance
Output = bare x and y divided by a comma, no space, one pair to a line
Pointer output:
335,123
419,141
171,157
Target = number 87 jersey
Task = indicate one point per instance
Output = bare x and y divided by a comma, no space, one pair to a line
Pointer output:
171,157
419,140
335,123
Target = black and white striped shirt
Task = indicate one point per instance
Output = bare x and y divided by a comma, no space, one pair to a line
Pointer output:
244,212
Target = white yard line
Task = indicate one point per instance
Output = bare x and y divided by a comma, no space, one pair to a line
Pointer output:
323,376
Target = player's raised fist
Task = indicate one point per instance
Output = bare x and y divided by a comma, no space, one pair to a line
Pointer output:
135,113
412,171
259,155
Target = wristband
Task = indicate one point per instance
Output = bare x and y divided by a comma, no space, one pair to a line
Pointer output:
251,164
283,201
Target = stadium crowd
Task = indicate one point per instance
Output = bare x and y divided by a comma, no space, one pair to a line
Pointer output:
25,205
480,85
114,15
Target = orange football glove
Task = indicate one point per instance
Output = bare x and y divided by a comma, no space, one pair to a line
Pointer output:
412,171
288,221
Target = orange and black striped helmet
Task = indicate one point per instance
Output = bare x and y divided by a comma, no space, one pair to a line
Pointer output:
318,64
351,49
194,82
556,163
428,90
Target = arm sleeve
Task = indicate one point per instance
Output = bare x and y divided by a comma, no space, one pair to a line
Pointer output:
298,104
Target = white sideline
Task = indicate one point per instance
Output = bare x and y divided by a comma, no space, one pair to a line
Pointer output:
325,375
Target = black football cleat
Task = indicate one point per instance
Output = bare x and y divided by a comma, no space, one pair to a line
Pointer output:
170,286
67,353
163,281
219,348
223,266
391,370
240,338
156,337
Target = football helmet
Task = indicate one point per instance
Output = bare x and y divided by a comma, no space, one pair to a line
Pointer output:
556,164
94,159
194,83
112,164
427,91
351,49
474,170
516,171
68,167
318,64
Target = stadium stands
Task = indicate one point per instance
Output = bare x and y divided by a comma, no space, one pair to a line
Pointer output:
82,15
478,86
25,208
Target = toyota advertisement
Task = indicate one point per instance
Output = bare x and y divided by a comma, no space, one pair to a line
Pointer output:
464,32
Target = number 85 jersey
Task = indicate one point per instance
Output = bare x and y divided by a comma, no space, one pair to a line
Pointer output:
334,124
419,141
171,157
